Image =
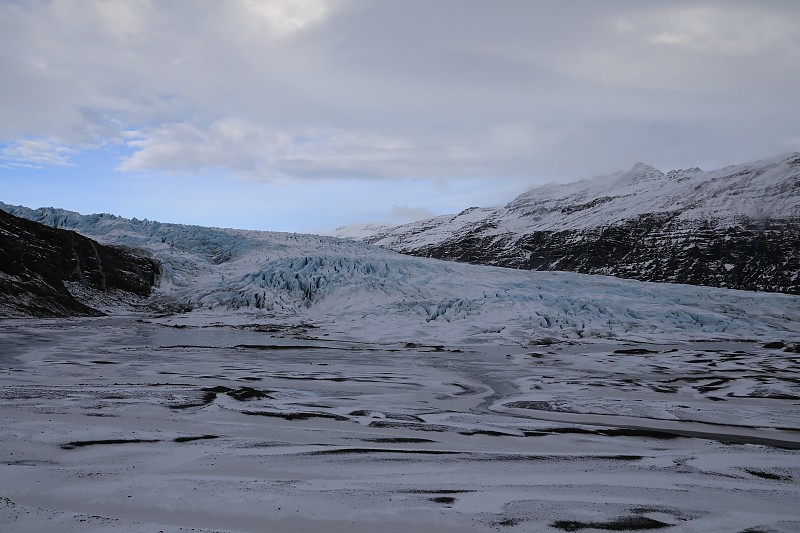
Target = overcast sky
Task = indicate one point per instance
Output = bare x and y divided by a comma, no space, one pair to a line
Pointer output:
303,115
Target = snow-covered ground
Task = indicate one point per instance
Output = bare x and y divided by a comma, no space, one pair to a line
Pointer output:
284,382
124,424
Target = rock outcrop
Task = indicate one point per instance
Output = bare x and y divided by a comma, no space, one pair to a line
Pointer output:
49,272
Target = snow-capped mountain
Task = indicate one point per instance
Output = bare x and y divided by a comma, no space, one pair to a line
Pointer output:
737,227
355,290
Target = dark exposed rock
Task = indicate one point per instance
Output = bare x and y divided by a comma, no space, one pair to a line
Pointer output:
752,256
36,261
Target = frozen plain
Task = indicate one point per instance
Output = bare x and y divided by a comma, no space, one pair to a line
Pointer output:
323,385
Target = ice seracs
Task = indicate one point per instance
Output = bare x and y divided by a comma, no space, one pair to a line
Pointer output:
377,294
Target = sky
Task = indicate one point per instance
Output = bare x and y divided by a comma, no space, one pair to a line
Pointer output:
306,115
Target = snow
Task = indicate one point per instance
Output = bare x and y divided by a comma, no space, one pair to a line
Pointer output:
766,189
109,424
303,383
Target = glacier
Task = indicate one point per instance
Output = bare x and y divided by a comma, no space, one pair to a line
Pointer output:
360,288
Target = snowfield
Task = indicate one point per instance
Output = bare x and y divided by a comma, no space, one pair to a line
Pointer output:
288,383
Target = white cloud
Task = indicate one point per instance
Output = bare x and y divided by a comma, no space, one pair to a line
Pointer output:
287,16
37,152
255,151
732,29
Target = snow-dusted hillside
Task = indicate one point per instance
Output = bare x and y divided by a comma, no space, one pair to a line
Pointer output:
375,293
735,227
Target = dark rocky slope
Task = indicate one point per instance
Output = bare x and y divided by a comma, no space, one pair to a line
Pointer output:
737,227
36,261
753,255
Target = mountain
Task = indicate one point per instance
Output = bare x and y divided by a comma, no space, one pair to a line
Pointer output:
51,272
738,227
352,290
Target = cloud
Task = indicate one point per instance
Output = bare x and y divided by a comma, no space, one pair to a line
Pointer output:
729,30
409,214
256,151
438,89
36,152
287,16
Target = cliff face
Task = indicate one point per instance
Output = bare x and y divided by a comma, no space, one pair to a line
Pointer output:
750,256
36,261
737,227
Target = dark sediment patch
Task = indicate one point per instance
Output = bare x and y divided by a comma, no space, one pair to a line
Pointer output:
208,397
610,432
767,395
529,433
274,347
488,432
465,389
446,500
625,523
403,417
298,329
537,406
391,416
722,438
82,443
210,394
767,475
270,347
633,432
350,451
428,347
189,405
335,379
634,351
28,462
295,415
670,389
389,424
399,440
247,393
437,491
714,386
553,458
193,438
774,345
189,346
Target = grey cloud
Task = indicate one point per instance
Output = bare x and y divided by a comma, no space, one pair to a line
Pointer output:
439,89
